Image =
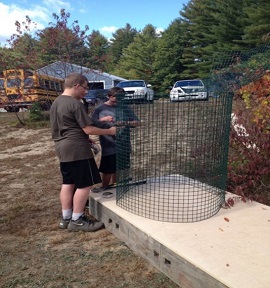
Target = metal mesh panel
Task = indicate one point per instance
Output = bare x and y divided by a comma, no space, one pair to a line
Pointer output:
234,69
177,169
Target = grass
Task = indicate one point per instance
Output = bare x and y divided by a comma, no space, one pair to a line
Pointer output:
34,253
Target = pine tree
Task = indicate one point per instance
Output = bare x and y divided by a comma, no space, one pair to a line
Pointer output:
138,58
120,40
258,29
97,54
168,65
213,26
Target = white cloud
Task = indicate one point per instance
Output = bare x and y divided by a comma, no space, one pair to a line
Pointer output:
159,31
56,5
39,15
11,14
83,11
108,29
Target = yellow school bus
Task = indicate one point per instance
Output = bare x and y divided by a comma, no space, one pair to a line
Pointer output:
20,88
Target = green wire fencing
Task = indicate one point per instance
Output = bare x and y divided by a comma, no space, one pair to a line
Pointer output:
172,167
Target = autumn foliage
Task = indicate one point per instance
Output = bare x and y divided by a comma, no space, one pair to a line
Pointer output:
249,156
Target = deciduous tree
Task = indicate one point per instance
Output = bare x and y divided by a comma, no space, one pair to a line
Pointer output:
249,164
61,42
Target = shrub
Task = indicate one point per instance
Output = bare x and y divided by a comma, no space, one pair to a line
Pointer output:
35,112
249,156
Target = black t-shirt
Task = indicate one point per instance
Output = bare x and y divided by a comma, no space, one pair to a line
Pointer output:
107,142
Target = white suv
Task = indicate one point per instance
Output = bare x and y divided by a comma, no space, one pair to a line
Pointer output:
184,90
137,90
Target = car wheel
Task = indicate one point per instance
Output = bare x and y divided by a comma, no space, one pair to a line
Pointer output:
148,98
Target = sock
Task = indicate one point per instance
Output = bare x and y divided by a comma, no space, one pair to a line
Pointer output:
67,213
76,216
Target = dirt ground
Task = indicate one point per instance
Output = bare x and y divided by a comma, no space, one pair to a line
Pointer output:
33,251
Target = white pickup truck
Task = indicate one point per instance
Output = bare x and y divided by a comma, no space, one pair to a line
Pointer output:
137,90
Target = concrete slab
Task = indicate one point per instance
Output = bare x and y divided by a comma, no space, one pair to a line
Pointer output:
230,249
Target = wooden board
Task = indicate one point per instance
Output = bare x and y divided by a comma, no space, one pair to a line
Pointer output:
230,249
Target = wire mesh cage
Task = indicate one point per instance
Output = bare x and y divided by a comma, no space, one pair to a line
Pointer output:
172,157
235,69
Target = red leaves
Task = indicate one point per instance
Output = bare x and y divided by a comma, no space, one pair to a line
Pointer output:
230,202
249,155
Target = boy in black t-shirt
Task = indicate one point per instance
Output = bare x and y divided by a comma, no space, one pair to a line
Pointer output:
106,112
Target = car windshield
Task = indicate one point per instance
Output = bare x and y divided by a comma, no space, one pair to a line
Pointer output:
186,83
131,84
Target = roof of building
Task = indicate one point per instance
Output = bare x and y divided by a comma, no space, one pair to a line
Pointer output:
61,69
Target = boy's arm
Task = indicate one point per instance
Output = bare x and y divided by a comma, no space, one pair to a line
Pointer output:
92,130
100,124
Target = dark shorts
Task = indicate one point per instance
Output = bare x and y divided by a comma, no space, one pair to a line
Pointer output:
108,164
82,173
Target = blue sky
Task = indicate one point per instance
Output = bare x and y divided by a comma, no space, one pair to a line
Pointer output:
103,15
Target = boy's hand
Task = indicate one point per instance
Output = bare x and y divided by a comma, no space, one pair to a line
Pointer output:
95,148
112,131
106,118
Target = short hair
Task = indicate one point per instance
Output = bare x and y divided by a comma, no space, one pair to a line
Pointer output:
73,79
115,90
